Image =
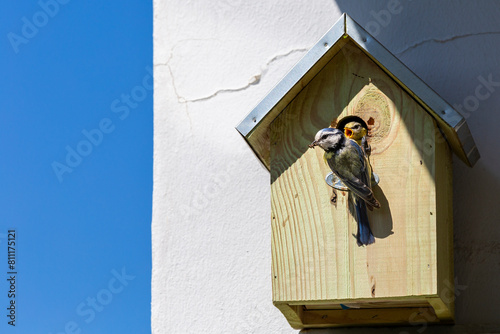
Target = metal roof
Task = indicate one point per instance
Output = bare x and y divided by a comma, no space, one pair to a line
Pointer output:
453,125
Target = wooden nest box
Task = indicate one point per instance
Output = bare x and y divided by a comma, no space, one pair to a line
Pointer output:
320,276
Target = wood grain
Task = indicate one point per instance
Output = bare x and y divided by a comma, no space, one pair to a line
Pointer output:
315,255
357,317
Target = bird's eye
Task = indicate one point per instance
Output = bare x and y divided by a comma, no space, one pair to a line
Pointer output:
324,137
356,126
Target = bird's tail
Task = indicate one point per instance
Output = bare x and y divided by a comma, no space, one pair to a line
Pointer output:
364,236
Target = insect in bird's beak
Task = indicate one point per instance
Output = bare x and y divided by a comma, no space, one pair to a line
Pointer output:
314,143
348,132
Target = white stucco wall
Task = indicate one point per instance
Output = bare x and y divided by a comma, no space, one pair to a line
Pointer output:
213,61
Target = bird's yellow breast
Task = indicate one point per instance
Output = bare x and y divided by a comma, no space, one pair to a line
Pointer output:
327,155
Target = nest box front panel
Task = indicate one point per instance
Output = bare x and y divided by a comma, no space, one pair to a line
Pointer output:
315,256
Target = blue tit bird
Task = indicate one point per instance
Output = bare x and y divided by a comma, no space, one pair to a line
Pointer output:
349,162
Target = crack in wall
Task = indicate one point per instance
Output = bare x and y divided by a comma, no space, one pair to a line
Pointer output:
284,55
445,40
180,99
172,79
254,80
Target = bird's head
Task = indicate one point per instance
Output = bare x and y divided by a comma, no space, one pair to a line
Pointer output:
354,130
328,139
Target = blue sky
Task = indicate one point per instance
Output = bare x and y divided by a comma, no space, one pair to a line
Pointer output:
76,152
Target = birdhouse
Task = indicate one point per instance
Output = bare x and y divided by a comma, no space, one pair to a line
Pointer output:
321,277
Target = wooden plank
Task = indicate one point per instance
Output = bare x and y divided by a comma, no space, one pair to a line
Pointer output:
444,305
358,317
371,304
315,256
293,314
365,312
389,301
443,311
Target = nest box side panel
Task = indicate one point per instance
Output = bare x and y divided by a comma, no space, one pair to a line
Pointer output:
315,256
443,304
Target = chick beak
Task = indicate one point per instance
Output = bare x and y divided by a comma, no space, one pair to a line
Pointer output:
314,143
348,132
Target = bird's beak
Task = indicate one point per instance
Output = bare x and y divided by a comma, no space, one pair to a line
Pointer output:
348,132
314,143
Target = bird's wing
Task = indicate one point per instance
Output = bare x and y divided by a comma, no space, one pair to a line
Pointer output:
357,186
353,159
